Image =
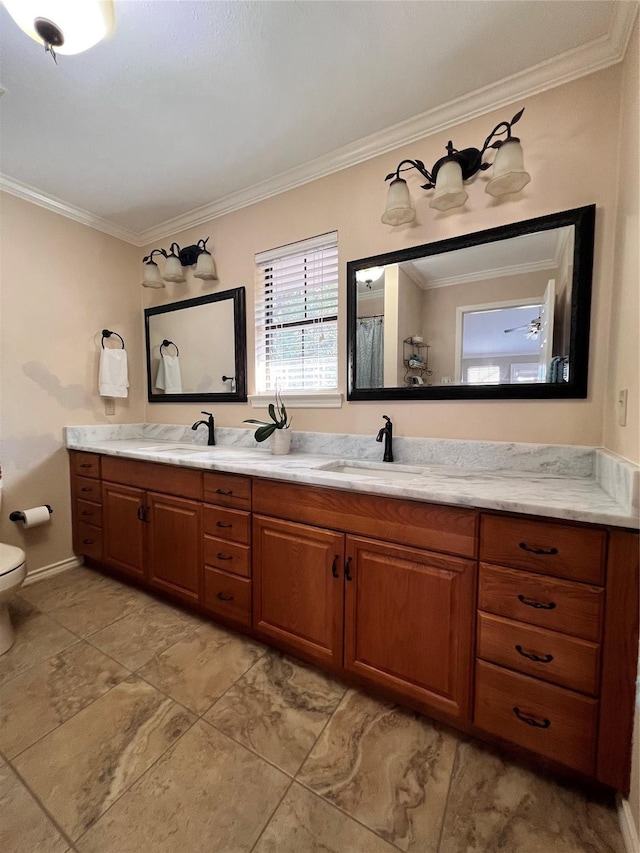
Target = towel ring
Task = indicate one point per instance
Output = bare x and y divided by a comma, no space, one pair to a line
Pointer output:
166,343
107,334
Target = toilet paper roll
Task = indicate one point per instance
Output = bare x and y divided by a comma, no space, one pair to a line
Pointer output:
36,515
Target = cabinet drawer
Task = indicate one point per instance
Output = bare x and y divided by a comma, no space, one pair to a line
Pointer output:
562,550
88,490
90,540
546,719
227,595
228,490
227,524
558,658
571,608
153,476
86,464
228,556
88,512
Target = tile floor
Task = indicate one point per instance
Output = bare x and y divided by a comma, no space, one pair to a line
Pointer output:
127,724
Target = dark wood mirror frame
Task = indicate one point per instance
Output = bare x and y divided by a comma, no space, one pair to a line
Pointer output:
583,219
240,339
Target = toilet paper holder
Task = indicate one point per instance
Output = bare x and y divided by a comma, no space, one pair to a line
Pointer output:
18,514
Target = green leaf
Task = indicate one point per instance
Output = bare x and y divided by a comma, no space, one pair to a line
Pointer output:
284,415
254,421
263,433
272,413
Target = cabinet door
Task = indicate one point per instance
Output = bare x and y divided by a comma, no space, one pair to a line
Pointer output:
174,545
409,618
298,587
123,528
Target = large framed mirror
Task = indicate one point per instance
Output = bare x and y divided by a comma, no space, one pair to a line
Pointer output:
197,349
497,314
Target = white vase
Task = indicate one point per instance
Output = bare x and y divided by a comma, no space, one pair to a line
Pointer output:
280,441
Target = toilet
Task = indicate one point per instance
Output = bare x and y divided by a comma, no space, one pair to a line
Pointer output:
13,571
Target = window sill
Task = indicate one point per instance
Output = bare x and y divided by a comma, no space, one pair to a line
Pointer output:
315,400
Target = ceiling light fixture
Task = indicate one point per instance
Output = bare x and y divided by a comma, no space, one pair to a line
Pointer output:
448,174
178,258
63,26
368,276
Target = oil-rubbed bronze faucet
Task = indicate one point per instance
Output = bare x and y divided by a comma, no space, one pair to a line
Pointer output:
210,426
387,433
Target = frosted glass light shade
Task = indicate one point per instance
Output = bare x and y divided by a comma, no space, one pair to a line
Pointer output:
509,175
205,267
82,24
369,275
173,270
151,275
449,191
398,210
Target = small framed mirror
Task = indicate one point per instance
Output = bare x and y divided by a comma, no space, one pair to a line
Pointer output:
497,314
197,349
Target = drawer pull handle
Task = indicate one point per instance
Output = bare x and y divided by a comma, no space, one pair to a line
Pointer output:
347,569
222,557
88,541
334,567
222,492
531,721
224,597
86,464
541,551
87,512
86,489
537,604
531,656
221,524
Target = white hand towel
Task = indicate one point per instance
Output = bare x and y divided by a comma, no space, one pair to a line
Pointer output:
169,375
113,377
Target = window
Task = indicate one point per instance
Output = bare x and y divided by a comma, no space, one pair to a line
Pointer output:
483,375
297,316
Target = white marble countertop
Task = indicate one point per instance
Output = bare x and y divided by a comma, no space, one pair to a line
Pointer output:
577,484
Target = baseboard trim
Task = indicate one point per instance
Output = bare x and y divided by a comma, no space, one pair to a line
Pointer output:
53,569
628,827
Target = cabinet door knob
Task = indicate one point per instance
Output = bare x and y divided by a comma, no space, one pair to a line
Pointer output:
224,597
531,721
334,567
222,492
541,551
222,557
221,524
347,569
537,604
531,656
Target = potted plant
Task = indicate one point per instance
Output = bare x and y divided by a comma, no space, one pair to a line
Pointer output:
278,427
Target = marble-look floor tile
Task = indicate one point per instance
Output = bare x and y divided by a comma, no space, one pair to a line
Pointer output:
37,637
499,806
138,637
388,768
38,700
278,708
199,669
61,589
24,827
84,765
305,823
206,794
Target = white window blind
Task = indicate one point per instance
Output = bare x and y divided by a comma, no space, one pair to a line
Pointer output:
297,316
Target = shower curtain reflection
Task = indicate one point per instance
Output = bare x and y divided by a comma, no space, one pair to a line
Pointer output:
370,353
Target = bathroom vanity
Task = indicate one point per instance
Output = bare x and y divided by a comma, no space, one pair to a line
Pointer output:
518,628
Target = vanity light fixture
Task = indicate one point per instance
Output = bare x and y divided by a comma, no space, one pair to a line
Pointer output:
448,174
178,258
61,26
368,276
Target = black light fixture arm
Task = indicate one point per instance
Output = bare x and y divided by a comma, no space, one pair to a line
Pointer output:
470,159
187,256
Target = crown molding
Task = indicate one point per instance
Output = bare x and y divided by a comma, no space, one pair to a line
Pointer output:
57,205
571,65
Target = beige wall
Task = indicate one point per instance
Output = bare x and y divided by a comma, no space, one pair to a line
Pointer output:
565,132
62,283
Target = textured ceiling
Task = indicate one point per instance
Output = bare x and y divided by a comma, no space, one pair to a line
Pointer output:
190,103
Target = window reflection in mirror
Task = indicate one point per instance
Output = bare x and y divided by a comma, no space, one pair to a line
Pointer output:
478,316
196,349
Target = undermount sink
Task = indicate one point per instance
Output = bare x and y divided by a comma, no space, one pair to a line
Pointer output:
176,448
384,471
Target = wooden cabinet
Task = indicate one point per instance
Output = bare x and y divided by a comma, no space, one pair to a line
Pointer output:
86,505
124,528
174,532
409,618
298,587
